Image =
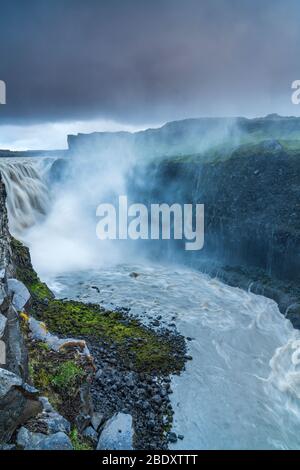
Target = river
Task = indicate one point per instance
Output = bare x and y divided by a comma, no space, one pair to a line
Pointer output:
241,390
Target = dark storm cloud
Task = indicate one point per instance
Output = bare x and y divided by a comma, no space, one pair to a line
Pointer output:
140,60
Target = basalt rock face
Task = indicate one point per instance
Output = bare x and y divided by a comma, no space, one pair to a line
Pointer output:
247,174
18,401
245,171
187,136
21,404
252,217
252,207
5,249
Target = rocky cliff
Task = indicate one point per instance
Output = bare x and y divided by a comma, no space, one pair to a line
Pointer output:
252,217
247,174
58,392
27,419
210,137
252,208
18,401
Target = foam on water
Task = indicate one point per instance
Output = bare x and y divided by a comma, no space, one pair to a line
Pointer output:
28,197
242,388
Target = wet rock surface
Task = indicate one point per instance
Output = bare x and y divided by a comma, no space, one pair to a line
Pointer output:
18,403
117,433
27,440
20,293
3,322
144,396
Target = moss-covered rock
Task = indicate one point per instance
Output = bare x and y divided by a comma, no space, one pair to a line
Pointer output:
25,273
79,442
58,376
139,347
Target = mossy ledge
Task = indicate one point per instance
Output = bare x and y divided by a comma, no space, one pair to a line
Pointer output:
138,347
58,376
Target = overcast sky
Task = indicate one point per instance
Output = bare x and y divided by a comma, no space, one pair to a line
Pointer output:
90,64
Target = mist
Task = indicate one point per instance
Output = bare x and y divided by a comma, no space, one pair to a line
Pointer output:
53,135
62,237
142,63
66,239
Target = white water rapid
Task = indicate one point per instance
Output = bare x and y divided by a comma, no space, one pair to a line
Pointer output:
27,194
242,388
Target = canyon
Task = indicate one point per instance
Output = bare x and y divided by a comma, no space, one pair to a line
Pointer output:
179,328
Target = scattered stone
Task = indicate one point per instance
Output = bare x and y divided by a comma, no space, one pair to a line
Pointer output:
172,437
3,321
134,275
86,410
117,433
91,434
39,332
8,380
55,423
82,421
97,420
31,390
47,407
3,292
16,353
37,441
20,293
17,404
7,447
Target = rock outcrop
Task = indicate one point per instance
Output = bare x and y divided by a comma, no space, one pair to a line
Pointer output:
20,403
117,433
252,216
245,171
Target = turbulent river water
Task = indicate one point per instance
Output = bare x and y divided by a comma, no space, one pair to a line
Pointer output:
241,390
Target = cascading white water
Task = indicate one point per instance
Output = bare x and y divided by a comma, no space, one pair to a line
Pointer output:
28,197
242,388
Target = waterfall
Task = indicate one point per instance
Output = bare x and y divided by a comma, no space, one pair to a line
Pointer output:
28,197
242,388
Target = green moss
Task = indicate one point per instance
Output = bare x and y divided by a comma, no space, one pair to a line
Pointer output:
58,376
25,272
43,346
138,345
41,373
67,375
40,290
246,146
79,442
